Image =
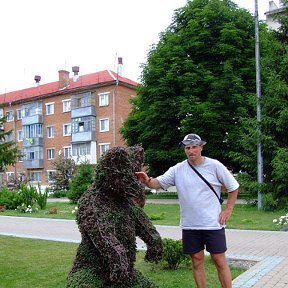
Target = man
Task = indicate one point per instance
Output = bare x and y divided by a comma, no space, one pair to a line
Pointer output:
202,220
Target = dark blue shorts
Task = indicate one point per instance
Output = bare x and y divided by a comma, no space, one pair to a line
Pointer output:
214,241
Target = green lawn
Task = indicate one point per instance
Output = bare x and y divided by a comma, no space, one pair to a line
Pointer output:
244,216
26,263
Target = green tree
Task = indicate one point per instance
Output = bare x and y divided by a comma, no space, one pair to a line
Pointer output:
199,78
275,110
274,122
9,152
64,171
82,179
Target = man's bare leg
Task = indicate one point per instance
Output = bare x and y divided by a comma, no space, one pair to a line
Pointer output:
224,273
198,269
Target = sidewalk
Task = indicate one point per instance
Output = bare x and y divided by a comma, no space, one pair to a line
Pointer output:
156,201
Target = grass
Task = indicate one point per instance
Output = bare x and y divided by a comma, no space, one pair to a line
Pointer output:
64,211
244,216
26,263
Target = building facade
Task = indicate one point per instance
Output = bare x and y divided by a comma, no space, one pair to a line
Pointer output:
77,117
274,9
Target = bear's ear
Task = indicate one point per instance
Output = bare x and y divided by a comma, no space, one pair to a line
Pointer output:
136,155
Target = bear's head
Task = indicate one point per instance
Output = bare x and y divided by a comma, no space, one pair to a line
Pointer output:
115,172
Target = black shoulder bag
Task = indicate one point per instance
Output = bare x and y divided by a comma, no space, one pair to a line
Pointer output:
209,185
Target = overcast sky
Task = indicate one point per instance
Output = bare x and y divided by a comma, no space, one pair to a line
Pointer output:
42,37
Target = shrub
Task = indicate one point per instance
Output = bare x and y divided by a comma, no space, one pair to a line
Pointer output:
27,208
26,198
65,168
249,186
173,253
58,194
269,202
28,195
42,197
9,199
81,181
157,217
162,195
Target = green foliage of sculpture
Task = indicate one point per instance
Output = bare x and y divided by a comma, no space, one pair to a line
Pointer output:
109,219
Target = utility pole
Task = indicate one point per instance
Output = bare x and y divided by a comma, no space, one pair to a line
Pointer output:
258,91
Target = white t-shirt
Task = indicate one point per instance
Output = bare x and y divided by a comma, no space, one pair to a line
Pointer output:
199,206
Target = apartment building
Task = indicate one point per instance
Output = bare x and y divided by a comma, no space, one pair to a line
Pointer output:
274,9
76,117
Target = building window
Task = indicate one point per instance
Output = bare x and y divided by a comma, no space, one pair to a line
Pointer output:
50,131
1,179
10,176
82,100
50,153
66,105
31,155
67,129
83,124
50,175
103,99
19,114
20,158
35,176
20,135
9,137
103,148
9,116
1,112
32,109
104,125
50,108
67,151
81,149
26,112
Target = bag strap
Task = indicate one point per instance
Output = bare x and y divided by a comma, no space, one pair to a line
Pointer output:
209,185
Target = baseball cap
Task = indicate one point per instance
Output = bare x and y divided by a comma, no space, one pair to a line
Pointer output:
192,139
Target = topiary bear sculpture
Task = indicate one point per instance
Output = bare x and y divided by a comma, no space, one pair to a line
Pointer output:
109,219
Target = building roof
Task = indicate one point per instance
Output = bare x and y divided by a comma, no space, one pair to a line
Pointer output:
98,78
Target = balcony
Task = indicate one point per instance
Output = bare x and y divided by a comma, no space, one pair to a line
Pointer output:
83,111
32,141
85,136
34,119
33,164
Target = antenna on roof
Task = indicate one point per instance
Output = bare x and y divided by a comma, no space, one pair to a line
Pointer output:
120,65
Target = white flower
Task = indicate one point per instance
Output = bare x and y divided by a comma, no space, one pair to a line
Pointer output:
282,220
